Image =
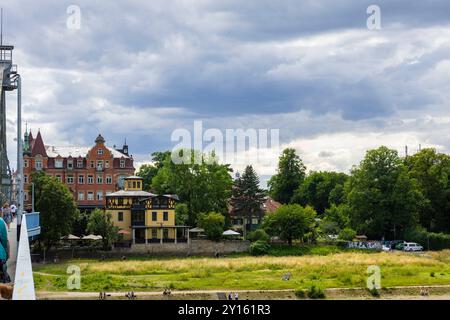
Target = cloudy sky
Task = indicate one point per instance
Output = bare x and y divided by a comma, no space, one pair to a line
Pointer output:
141,69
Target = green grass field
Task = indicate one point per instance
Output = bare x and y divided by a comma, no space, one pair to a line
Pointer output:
333,270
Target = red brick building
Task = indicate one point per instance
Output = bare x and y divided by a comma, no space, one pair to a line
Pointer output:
90,172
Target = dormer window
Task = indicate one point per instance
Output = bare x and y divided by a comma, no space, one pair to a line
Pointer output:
70,164
59,163
122,163
80,163
100,152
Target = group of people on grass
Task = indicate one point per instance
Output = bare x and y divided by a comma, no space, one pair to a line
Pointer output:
7,214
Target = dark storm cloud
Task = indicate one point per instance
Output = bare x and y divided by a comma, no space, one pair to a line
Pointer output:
157,65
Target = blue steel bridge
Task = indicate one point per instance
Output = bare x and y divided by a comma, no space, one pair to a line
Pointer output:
26,226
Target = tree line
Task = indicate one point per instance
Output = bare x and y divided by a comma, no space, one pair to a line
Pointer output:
384,196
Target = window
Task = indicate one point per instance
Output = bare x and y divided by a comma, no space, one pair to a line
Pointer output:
134,184
99,179
164,203
122,163
154,216
99,165
81,179
70,164
25,163
90,195
154,233
59,163
38,164
70,179
80,195
25,196
108,179
120,216
90,179
99,195
92,164
165,216
107,164
58,177
25,178
99,151
80,163
166,233
139,184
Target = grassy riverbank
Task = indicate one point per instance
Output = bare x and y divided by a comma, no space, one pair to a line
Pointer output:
335,270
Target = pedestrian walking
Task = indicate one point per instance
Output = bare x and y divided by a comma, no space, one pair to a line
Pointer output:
13,210
236,296
7,216
230,296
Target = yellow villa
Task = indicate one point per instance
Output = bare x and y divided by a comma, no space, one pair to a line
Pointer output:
144,217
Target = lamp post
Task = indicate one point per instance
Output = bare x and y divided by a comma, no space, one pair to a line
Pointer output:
19,156
32,197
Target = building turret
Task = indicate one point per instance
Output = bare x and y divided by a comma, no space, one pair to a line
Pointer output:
125,148
133,183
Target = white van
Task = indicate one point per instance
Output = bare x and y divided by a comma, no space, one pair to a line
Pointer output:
412,246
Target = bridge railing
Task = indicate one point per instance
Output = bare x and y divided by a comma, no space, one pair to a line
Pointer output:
23,281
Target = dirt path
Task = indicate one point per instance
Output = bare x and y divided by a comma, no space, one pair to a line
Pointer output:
394,293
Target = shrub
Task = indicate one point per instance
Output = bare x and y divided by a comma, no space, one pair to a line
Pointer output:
259,248
374,292
259,234
300,293
315,293
213,224
347,234
432,274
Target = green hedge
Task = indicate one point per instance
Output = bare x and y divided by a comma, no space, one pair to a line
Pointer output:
436,241
259,248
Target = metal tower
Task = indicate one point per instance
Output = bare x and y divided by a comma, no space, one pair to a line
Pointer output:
10,81
8,73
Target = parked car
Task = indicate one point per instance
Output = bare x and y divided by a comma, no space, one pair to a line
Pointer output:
400,246
412,246
386,248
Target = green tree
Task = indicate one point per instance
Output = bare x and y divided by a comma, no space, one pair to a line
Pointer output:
100,223
320,190
290,222
432,171
203,187
147,172
57,208
347,234
247,197
384,200
181,214
80,224
335,219
291,172
213,223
